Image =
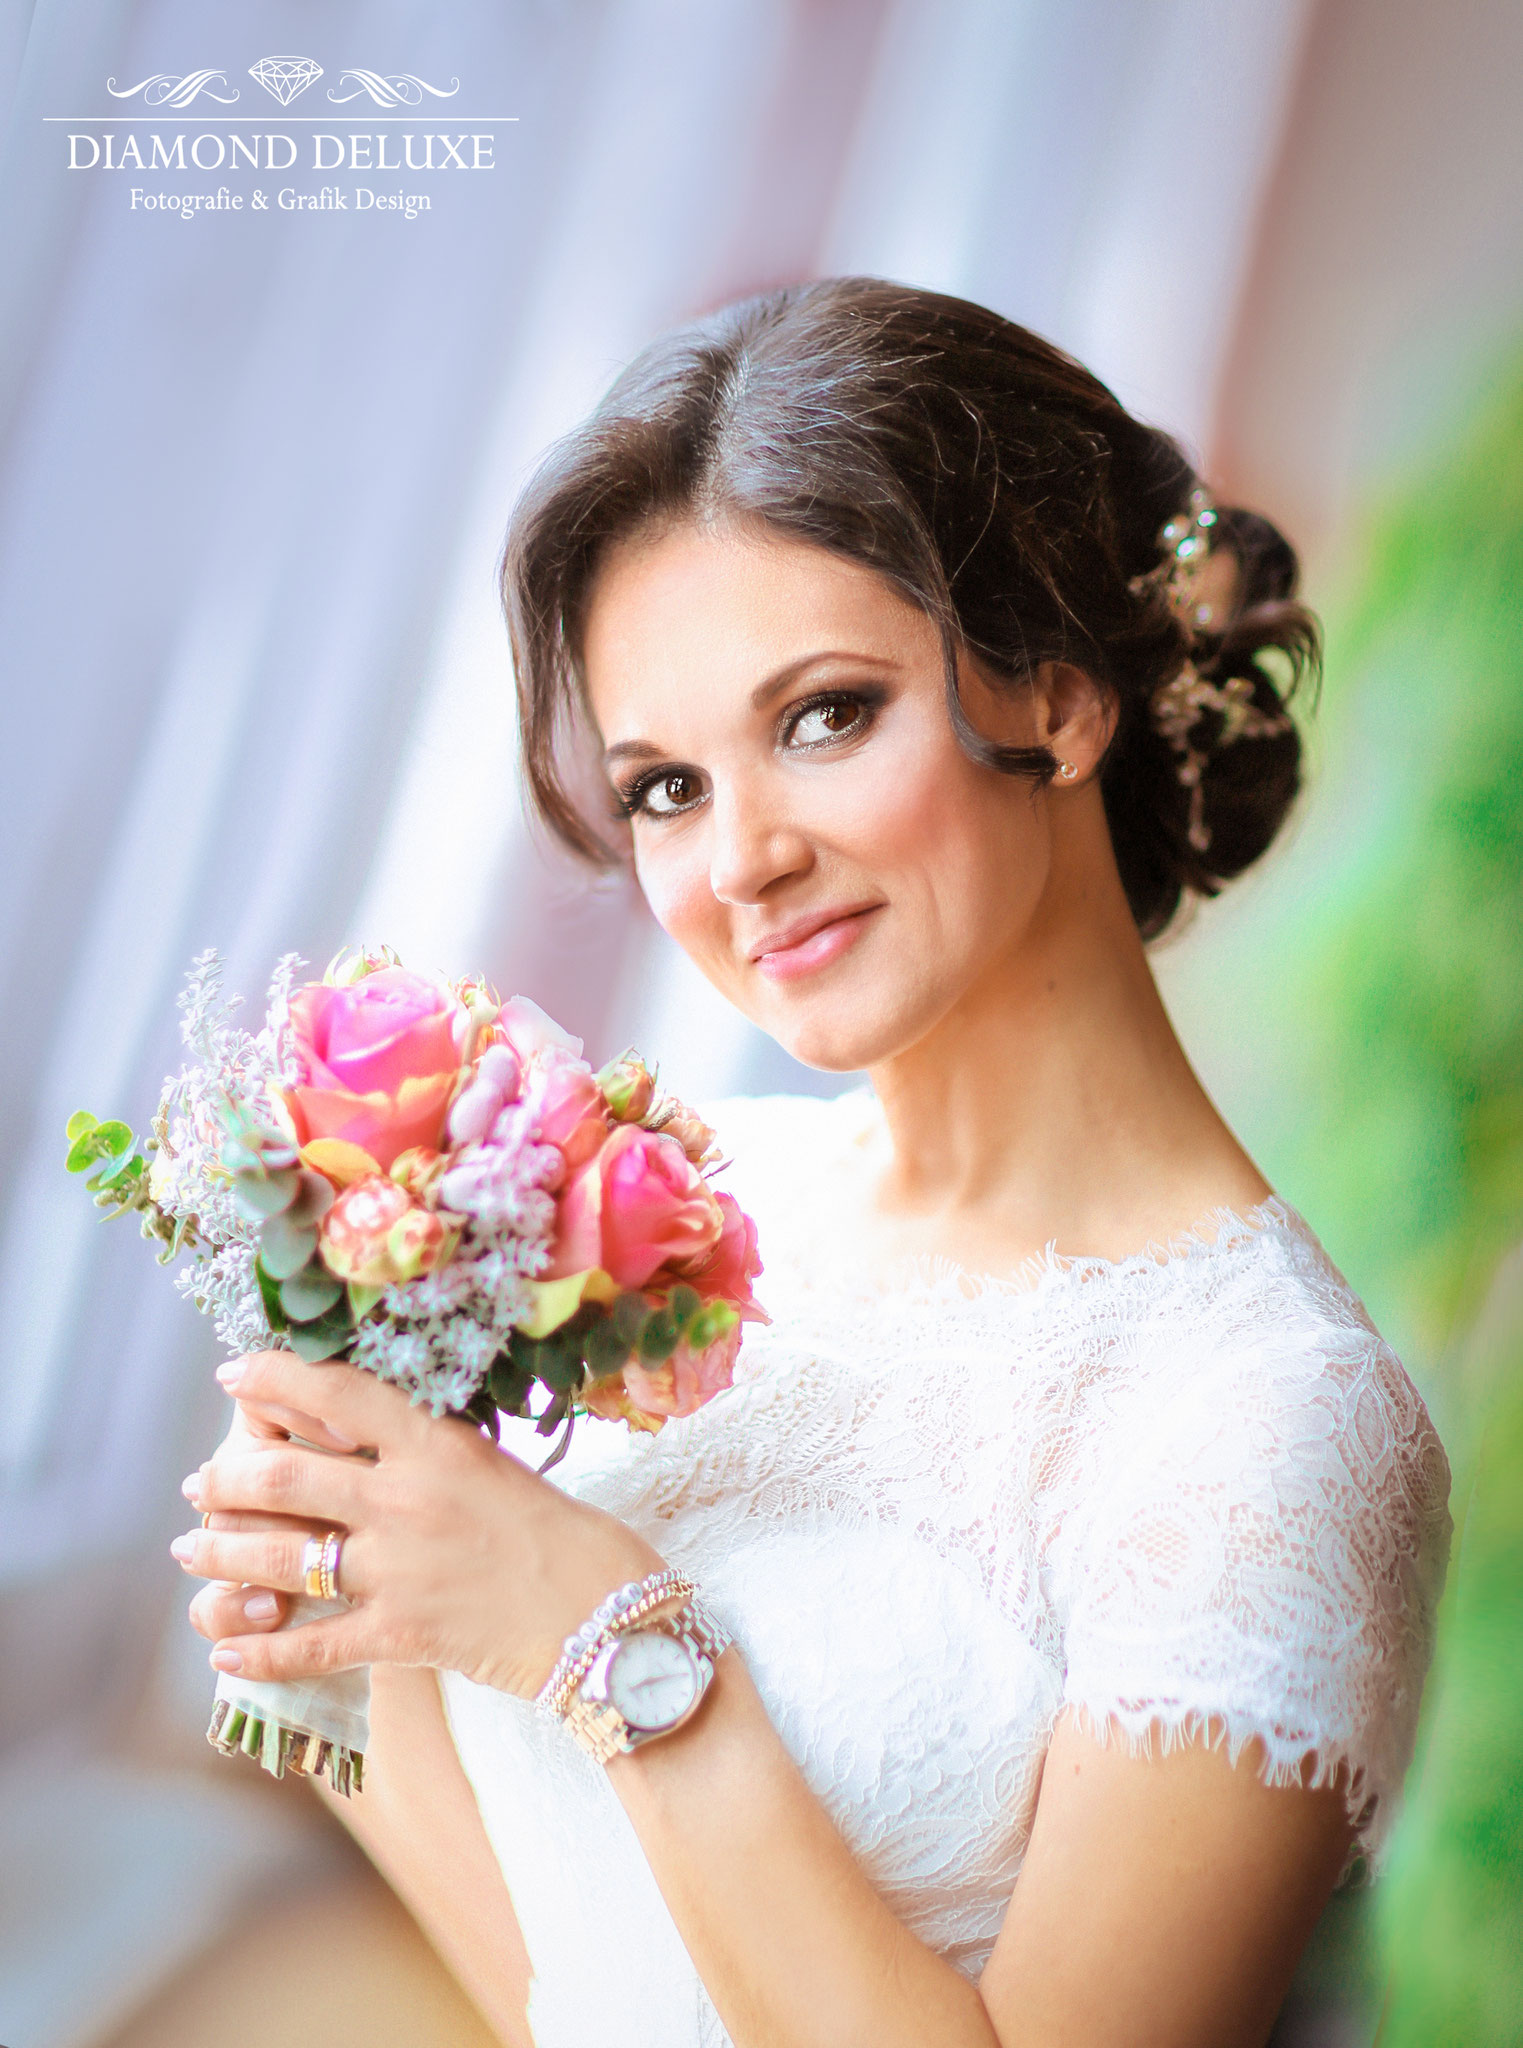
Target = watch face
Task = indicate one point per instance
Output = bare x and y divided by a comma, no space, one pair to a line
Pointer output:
652,1679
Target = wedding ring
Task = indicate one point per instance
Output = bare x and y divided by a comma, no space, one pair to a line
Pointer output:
327,1569
312,1552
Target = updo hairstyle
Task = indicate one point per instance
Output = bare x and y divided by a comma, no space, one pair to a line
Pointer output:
993,481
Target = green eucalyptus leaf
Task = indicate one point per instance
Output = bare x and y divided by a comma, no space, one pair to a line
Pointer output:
605,1351
325,1337
269,1294
509,1383
86,1152
314,1198
363,1299
257,1196
311,1342
715,1320
554,1415
560,1364
659,1338
309,1294
628,1313
285,1248
684,1305
78,1125
125,1169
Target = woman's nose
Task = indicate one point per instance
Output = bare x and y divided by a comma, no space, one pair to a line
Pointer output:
752,848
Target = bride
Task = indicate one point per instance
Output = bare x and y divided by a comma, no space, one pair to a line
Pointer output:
1078,1536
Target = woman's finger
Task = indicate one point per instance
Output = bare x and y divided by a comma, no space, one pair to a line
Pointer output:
245,1522
355,1403
285,1480
337,1643
271,1419
270,1560
222,1610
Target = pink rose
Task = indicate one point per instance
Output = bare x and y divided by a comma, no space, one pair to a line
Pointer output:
636,1207
375,1235
381,1059
645,1396
726,1274
531,1031
567,1109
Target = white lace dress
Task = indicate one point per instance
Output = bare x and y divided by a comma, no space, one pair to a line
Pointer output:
1189,1490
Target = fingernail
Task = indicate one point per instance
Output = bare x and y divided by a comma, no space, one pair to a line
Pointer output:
261,1607
345,1443
226,1660
191,1488
184,1548
230,1373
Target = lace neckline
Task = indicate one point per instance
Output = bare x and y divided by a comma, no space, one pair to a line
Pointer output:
924,1277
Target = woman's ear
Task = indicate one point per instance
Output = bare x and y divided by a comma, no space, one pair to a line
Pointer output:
1075,715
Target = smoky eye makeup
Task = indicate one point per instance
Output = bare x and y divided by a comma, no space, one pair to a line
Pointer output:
812,724
661,792
829,718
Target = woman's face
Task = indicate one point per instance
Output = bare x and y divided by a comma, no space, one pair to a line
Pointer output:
805,824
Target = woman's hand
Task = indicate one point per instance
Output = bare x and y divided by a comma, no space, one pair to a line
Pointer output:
455,1554
225,1609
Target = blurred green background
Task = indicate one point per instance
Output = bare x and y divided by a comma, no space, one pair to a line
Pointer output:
1362,1014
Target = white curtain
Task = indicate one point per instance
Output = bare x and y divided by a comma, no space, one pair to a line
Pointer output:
255,689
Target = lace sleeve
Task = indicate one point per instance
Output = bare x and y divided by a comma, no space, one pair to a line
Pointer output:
1264,1549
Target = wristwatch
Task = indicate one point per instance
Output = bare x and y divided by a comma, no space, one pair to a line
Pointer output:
646,1682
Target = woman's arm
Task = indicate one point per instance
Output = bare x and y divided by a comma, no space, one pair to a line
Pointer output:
1163,1901
418,1822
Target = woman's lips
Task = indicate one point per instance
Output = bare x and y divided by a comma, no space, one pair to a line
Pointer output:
812,943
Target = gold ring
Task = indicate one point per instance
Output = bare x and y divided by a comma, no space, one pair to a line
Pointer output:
327,1568
312,1566
206,1519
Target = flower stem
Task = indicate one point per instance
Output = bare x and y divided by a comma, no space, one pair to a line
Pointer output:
278,1749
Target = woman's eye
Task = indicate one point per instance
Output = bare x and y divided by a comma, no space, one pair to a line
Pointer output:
830,718
667,794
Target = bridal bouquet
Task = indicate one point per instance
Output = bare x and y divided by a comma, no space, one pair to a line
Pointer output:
406,1173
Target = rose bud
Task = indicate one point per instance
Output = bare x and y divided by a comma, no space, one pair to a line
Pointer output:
420,1170
697,1139
628,1086
375,1235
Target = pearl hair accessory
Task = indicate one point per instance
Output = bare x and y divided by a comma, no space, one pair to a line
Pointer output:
1178,704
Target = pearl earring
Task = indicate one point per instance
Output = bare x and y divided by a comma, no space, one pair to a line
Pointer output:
1067,771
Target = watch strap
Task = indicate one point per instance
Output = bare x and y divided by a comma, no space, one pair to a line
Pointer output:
599,1726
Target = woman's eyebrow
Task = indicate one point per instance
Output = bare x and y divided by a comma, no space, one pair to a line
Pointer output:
623,750
772,686
775,684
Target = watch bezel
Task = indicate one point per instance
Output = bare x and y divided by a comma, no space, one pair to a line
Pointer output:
595,1690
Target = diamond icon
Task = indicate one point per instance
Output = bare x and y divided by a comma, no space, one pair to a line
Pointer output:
285,77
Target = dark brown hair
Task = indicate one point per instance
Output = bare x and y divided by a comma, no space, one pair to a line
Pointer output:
991,479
